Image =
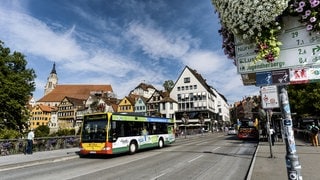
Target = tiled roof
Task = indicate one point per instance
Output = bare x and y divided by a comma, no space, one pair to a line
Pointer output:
144,86
45,108
74,91
75,101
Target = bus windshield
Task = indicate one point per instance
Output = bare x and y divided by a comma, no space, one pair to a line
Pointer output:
94,131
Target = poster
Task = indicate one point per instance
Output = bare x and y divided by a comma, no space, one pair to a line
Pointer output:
269,97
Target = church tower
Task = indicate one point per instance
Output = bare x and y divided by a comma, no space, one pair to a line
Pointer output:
52,80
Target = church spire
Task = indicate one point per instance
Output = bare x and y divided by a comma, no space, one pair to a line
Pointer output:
52,80
53,71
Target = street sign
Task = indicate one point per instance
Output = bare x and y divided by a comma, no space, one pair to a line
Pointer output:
300,48
269,97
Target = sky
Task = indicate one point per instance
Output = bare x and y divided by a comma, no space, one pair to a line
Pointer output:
120,42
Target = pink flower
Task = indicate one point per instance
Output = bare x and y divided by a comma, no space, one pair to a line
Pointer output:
302,4
299,9
313,19
309,27
308,12
314,3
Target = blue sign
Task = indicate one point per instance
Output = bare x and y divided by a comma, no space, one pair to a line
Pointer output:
263,78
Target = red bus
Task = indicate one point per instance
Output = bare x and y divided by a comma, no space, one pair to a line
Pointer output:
248,132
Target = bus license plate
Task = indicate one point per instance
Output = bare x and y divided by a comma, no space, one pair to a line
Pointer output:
93,152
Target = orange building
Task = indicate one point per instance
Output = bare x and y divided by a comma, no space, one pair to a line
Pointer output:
40,115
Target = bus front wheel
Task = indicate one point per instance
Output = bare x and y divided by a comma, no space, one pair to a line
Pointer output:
160,143
132,147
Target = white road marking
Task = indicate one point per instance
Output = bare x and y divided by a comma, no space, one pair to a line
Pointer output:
215,148
195,158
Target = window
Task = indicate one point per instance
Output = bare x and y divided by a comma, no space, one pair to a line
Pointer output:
171,105
191,96
194,86
178,88
187,80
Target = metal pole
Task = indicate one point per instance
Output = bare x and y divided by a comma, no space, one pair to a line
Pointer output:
185,131
292,159
269,134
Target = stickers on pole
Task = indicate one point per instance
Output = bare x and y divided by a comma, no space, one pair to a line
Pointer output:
269,97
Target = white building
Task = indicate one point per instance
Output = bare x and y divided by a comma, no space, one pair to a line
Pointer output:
198,102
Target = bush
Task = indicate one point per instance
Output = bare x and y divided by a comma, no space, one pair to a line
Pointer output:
63,132
9,134
42,131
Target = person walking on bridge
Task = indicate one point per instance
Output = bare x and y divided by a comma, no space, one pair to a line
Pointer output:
30,140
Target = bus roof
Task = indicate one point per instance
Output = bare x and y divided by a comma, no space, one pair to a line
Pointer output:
126,117
131,117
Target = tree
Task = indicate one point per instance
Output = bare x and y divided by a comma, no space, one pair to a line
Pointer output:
168,85
305,99
17,84
42,131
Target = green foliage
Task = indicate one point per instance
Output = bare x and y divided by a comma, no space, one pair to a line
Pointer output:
305,99
17,83
42,131
64,132
9,134
168,85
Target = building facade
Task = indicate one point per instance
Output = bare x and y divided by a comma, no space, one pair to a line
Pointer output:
40,116
198,102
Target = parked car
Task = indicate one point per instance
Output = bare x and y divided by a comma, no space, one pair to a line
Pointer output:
232,131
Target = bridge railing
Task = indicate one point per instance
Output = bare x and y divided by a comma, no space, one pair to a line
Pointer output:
18,146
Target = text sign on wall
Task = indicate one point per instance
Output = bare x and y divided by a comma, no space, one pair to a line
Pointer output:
300,48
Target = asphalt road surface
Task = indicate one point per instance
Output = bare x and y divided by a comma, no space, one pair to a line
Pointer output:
211,156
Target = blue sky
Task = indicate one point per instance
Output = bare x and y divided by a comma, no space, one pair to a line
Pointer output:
120,42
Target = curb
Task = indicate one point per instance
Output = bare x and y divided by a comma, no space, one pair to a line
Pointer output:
249,174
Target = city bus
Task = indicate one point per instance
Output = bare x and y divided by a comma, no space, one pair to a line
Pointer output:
114,133
248,132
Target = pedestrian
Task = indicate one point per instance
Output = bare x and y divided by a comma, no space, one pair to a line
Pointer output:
272,133
314,130
30,141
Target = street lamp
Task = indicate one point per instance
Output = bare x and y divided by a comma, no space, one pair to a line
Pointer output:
185,120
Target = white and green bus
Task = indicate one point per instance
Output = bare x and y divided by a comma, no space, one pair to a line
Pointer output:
114,133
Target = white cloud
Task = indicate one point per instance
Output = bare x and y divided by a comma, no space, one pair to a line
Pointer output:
158,44
33,36
204,61
84,58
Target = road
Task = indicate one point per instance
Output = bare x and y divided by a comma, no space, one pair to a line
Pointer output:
207,157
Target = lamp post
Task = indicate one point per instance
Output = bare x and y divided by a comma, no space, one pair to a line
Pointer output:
292,159
269,115
185,119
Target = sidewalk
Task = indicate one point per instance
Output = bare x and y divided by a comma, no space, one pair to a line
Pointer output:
7,162
266,168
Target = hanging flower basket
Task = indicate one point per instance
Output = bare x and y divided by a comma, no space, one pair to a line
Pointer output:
259,22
